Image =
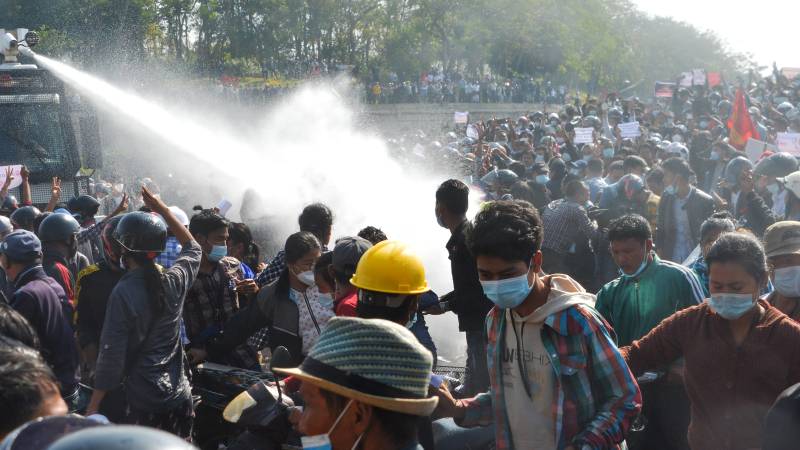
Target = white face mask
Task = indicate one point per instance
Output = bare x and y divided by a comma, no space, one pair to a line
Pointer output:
306,277
323,441
787,281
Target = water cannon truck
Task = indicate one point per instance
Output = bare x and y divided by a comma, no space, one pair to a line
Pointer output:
43,124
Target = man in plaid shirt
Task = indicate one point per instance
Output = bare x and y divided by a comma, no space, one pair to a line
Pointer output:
567,227
558,381
316,219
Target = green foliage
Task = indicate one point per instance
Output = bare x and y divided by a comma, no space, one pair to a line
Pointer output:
577,42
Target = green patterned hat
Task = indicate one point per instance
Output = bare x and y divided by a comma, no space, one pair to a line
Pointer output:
372,361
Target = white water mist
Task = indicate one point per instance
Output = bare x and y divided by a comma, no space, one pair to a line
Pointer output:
306,149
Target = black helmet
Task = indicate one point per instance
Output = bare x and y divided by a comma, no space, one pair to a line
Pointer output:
9,203
778,164
110,245
121,437
141,232
58,227
41,433
23,218
85,205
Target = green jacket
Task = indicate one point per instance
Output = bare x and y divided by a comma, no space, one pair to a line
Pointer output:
634,306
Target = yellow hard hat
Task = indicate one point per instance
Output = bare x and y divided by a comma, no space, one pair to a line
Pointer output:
392,268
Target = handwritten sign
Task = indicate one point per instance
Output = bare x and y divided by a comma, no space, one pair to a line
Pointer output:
788,142
460,117
629,130
584,135
15,174
472,132
755,148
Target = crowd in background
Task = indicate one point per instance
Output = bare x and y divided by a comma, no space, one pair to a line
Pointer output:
656,272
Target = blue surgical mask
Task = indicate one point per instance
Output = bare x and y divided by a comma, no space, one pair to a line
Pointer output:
217,253
325,300
508,293
787,281
715,156
608,152
542,179
670,190
639,271
731,306
703,125
773,188
412,321
566,157
539,159
587,158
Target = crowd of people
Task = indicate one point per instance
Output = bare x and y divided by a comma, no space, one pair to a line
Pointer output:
657,277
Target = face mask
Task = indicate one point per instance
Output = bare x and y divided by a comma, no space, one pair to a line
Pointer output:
639,271
670,190
508,293
731,306
306,277
542,179
608,152
566,157
677,138
412,321
323,441
539,159
576,172
217,253
715,156
703,125
587,157
325,300
773,188
787,281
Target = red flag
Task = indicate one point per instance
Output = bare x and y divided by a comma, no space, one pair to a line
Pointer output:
740,125
714,79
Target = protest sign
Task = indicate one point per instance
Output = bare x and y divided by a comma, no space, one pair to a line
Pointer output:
686,79
714,79
698,77
472,132
460,117
584,135
629,130
15,173
664,89
789,142
755,148
224,206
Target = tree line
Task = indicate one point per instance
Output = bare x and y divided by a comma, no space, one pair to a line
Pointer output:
582,43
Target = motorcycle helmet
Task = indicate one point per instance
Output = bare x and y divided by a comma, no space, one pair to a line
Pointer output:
141,232
58,227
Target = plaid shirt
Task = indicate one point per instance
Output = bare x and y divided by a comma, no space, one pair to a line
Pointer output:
596,396
566,224
167,258
273,270
210,302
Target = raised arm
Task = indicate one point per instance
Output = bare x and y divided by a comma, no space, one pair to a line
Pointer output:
180,232
26,186
55,194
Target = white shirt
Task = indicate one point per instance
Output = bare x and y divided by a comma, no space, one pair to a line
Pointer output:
311,315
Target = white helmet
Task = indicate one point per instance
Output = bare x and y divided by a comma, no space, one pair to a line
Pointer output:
180,215
676,148
792,183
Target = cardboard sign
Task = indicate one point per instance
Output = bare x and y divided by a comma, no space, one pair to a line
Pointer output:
15,174
629,130
460,117
472,132
789,142
584,135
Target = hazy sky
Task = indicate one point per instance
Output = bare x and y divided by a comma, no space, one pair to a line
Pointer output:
765,28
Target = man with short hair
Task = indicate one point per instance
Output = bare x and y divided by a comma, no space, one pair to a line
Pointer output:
648,291
44,304
682,210
466,300
635,165
557,379
28,388
355,402
594,178
219,290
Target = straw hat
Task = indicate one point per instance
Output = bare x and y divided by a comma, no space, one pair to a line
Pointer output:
372,361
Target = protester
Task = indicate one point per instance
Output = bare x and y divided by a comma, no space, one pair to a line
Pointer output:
346,255
44,304
170,254
242,248
140,346
782,247
378,405
710,231
739,351
568,232
61,259
292,315
746,205
24,217
218,292
466,300
29,388
541,401
782,426
92,291
682,210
